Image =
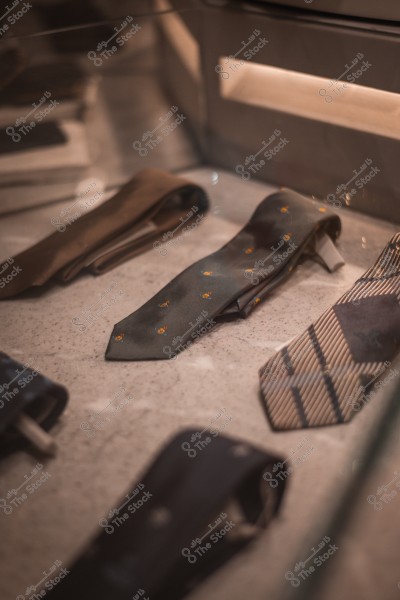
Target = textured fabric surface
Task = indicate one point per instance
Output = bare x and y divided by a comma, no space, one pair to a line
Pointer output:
152,195
322,378
24,389
177,524
230,282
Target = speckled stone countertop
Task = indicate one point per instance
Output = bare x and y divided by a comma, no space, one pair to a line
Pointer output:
89,475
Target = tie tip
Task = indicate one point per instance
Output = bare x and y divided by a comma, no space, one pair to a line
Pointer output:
133,354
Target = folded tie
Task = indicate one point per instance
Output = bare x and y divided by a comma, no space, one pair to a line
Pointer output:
329,372
182,520
30,404
231,281
150,204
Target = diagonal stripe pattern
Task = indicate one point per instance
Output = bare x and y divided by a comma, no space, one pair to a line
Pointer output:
322,376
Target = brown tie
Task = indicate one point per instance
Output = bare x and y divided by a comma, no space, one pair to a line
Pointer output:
127,224
329,372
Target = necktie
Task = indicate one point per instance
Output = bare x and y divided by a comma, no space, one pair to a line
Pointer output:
150,204
329,372
183,519
229,282
30,404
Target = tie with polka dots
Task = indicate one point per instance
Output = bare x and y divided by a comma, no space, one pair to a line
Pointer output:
230,282
330,372
187,516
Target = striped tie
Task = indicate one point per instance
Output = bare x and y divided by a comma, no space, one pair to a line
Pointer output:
328,373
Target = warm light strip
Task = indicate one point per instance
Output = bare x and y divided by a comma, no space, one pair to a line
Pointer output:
181,38
357,107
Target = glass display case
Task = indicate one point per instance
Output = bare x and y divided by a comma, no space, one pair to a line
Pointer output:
243,99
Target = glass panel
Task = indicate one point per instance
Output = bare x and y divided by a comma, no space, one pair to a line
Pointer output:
91,93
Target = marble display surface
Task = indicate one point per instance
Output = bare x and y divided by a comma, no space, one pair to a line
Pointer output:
89,475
